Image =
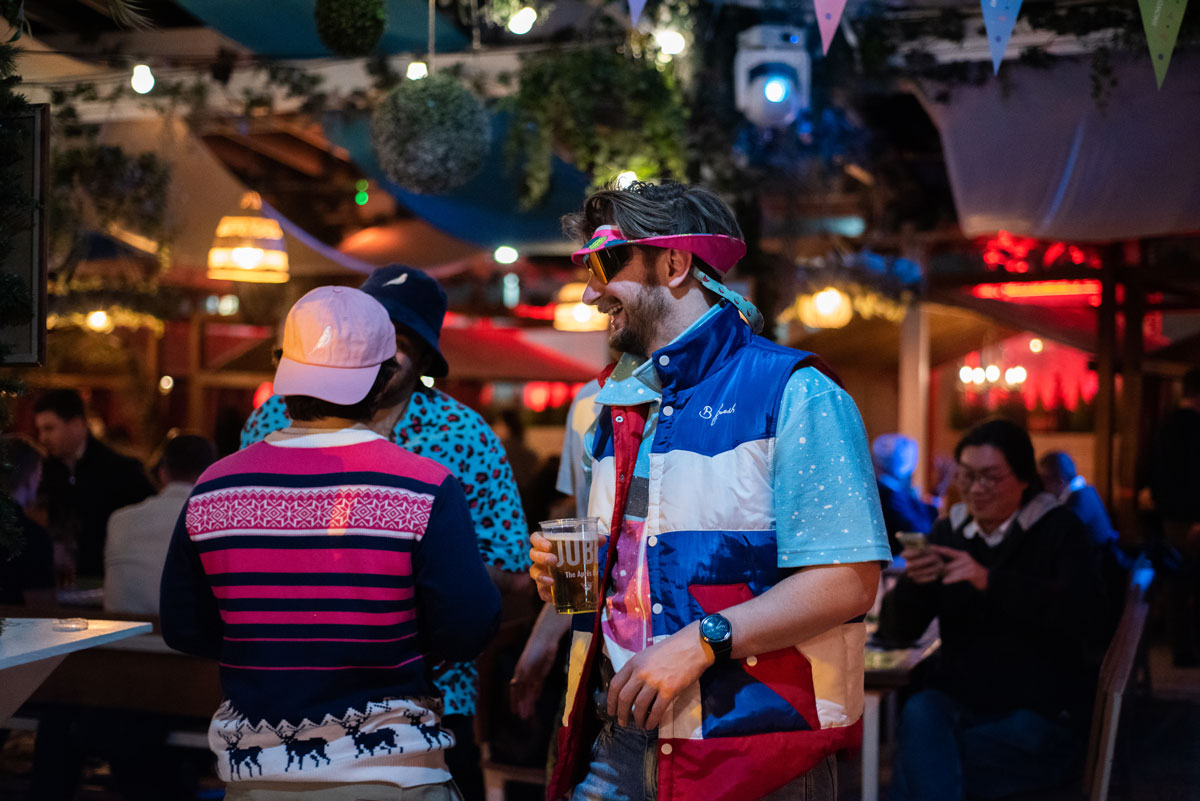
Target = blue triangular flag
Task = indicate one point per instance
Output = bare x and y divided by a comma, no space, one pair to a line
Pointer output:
999,16
635,11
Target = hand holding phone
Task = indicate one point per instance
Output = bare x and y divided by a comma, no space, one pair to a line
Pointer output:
913,540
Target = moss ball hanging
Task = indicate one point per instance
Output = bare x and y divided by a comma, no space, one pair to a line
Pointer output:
351,27
431,135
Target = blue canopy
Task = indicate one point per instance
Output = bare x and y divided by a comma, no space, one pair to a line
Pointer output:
286,29
485,211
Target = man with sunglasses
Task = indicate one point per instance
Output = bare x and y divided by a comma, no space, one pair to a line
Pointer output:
745,531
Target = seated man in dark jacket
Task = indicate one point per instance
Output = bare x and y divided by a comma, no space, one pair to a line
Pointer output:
1010,578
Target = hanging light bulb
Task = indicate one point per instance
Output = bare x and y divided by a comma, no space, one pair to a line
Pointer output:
142,80
671,43
248,246
829,308
521,23
572,314
99,321
505,254
416,70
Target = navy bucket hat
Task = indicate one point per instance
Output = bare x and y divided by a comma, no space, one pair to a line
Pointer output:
414,300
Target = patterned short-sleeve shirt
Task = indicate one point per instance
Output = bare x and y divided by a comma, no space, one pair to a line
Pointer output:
438,427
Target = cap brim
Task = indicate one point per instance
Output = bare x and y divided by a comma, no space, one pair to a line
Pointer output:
341,385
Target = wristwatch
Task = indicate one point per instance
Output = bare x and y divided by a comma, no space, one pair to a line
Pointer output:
717,631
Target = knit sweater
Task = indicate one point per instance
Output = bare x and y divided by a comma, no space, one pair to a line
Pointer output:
325,570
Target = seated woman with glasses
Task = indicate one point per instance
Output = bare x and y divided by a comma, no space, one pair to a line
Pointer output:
1003,706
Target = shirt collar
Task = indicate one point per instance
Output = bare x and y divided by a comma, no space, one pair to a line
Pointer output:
297,436
996,537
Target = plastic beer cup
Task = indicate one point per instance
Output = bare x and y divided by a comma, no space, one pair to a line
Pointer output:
576,543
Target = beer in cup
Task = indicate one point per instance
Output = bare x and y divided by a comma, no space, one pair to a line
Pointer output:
576,543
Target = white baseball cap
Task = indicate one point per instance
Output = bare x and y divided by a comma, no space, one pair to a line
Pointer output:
334,340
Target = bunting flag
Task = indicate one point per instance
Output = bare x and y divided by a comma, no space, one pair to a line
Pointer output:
1162,19
829,14
635,11
999,16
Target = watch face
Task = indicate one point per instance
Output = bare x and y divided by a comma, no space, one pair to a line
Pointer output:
715,628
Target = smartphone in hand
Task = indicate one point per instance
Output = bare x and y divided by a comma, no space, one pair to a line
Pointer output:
914,540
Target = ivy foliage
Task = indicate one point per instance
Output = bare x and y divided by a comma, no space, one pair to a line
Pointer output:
95,186
431,135
606,109
350,28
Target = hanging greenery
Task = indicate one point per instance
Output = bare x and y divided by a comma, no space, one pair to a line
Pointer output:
15,303
606,110
351,27
431,135
97,187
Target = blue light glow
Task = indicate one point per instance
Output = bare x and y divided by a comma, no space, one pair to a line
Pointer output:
776,90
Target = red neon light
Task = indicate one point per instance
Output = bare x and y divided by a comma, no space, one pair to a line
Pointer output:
263,393
536,396
534,312
1042,289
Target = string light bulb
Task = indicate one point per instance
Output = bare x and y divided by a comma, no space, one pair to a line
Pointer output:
142,80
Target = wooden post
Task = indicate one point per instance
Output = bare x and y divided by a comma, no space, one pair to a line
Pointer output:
195,407
1132,390
1106,346
914,384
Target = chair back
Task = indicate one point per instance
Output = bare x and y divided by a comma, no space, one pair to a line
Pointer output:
1115,673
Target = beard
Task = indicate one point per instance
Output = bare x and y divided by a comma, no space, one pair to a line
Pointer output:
642,317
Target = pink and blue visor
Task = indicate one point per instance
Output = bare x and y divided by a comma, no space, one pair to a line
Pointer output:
606,252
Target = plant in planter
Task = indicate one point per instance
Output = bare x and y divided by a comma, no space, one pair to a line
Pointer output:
607,111
431,135
350,27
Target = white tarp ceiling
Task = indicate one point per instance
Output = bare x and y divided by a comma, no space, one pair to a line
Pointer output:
1034,154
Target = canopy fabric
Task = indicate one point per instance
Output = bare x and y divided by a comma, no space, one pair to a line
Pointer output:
486,210
487,353
286,28
202,191
1036,155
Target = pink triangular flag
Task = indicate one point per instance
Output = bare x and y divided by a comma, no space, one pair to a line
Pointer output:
829,14
635,11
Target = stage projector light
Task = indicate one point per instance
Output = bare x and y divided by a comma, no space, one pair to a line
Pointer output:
772,75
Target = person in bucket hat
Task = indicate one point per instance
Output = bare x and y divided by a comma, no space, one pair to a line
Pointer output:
430,423
327,569
745,532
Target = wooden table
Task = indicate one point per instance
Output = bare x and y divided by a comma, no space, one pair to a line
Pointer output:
886,672
31,648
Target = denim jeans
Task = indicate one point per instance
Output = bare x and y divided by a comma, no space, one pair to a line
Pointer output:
624,767
947,753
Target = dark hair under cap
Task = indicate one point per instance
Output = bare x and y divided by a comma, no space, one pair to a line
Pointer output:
1011,440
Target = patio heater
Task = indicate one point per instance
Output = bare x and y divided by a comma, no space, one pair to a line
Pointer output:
248,246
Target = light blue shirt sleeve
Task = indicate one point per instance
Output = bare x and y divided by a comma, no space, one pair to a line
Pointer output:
826,502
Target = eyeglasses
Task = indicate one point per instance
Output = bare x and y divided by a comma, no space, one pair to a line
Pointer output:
987,479
604,264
